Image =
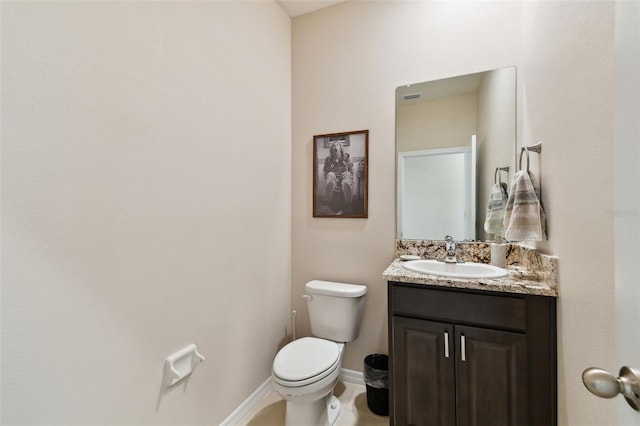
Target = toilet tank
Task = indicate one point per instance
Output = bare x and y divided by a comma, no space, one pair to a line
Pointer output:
335,309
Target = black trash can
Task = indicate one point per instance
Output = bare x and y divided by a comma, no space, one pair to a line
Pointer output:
376,379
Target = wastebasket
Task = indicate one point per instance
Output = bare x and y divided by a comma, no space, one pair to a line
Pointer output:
376,379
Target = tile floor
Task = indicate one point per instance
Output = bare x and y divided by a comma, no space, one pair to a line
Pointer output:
354,411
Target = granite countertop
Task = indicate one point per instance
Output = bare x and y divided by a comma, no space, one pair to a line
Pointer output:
518,281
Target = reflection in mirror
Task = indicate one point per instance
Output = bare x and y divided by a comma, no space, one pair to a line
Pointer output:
471,117
442,176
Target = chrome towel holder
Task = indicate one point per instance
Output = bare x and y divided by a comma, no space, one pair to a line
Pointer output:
537,148
497,176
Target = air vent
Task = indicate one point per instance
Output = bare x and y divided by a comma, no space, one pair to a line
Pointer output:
412,96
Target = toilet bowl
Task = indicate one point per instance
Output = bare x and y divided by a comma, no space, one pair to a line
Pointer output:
304,373
306,370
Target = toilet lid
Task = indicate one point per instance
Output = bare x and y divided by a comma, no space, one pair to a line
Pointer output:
305,358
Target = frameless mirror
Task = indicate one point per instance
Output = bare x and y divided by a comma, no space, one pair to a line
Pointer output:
455,138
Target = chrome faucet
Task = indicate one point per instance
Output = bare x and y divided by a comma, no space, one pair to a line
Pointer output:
450,247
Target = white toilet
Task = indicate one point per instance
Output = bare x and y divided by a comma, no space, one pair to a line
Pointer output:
306,370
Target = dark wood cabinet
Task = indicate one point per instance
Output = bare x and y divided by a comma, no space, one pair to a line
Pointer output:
422,373
491,377
462,358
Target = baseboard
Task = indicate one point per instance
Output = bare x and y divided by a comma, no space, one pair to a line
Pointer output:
351,376
248,404
348,376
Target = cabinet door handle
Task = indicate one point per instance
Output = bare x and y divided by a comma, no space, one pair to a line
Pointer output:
463,349
446,344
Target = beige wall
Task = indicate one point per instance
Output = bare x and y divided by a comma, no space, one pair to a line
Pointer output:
145,159
347,61
495,136
441,123
567,102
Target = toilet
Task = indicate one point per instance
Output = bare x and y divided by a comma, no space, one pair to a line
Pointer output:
306,370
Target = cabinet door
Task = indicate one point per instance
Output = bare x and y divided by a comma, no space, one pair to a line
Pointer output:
422,369
491,377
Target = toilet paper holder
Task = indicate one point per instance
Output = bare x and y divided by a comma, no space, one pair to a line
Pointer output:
180,364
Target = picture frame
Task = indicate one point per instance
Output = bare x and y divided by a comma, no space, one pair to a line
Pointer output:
341,174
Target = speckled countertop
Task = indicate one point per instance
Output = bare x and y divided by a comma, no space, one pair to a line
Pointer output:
530,272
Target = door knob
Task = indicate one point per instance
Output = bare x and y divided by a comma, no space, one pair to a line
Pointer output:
605,385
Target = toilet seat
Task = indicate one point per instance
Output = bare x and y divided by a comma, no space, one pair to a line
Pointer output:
306,360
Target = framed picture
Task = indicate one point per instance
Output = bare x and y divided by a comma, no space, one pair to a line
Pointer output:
340,174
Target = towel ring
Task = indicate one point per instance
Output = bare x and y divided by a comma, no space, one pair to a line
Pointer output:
533,148
524,149
497,176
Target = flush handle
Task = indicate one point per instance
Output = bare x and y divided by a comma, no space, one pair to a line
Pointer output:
605,385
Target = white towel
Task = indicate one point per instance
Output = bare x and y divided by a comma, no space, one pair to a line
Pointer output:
494,222
524,217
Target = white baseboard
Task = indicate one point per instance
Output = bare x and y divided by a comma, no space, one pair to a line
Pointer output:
248,404
351,376
348,376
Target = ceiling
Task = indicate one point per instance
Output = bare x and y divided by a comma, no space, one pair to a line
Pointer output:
300,7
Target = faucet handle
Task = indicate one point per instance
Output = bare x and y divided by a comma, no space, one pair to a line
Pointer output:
449,244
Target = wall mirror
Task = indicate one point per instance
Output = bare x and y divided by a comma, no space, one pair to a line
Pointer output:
455,138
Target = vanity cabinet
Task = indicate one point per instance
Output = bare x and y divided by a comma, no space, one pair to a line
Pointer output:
466,357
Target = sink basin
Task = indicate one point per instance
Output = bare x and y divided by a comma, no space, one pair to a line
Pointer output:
455,270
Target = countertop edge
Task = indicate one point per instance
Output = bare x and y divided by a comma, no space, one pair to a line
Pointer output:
511,284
